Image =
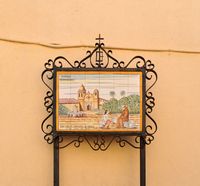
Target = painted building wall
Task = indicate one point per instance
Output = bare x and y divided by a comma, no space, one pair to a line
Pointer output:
172,159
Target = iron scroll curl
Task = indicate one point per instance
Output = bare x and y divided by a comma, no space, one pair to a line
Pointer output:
99,58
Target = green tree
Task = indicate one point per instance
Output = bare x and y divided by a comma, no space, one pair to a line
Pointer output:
114,105
106,106
122,93
62,110
134,104
112,94
124,101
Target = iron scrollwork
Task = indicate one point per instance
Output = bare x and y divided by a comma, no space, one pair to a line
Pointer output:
100,58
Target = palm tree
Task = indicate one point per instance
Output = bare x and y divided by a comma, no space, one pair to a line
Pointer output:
122,93
112,94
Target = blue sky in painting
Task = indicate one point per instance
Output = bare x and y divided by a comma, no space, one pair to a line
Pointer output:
105,83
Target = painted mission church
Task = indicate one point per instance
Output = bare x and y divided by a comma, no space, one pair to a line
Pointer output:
85,101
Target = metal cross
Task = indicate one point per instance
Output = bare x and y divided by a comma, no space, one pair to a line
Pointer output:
99,53
100,38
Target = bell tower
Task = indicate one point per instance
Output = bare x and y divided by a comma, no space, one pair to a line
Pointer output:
96,99
81,97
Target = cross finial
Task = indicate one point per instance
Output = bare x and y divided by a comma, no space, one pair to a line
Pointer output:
99,38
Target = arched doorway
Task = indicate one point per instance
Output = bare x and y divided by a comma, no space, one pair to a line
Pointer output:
88,107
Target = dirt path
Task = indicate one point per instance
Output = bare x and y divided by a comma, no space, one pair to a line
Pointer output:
89,120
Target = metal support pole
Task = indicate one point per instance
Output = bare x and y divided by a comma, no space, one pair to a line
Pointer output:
56,162
142,163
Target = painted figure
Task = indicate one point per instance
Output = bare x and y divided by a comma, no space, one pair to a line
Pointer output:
106,120
124,117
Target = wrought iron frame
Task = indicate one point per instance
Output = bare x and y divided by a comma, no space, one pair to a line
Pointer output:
99,141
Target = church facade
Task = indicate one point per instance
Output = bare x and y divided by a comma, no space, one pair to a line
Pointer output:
88,101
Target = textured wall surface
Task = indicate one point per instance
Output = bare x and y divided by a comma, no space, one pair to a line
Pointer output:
172,159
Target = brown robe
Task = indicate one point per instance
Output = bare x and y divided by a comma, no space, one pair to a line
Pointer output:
123,118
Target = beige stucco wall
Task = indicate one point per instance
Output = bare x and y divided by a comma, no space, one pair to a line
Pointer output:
172,159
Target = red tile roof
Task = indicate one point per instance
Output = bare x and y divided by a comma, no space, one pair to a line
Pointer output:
68,101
